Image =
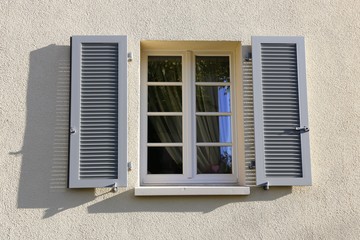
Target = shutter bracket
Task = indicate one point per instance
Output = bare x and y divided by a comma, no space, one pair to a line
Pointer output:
248,57
129,166
130,56
252,165
266,186
304,129
115,188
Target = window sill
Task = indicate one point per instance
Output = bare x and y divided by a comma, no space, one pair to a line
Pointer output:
191,190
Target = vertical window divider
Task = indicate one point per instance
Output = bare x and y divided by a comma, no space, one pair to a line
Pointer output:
193,113
187,113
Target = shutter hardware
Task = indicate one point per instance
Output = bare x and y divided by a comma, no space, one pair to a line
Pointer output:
130,56
266,185
252,165
248,57
72,130
115,188
304,128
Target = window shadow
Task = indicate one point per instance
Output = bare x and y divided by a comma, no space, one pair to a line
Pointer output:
44,155
126,202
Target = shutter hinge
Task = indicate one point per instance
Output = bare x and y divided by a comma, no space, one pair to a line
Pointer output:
129,56
304,129
248,57
129,166
252,165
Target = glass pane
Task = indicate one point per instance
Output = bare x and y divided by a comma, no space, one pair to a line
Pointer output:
212,69
165,160
164,129
213,99
212,160
164,99
213,129
164,69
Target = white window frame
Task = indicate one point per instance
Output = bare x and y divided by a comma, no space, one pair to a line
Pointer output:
189,176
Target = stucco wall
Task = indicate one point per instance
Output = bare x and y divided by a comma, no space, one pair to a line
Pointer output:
34,78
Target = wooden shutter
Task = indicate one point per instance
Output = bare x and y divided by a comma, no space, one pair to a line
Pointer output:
282,150
98,122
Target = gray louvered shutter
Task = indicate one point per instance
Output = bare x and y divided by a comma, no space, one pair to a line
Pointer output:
282,149
98,122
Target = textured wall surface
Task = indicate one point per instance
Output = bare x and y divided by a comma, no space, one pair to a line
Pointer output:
34,78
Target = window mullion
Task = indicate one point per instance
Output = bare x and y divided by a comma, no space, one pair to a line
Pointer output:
187,116
193,115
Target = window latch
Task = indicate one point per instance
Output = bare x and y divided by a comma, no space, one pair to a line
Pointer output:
304,129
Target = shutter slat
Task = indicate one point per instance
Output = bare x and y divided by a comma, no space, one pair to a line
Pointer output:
282,153
107,75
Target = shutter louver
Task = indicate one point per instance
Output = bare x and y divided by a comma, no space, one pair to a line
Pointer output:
98,142
99,111
280,109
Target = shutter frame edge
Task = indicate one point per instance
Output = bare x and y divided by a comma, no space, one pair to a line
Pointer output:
261,178
74,180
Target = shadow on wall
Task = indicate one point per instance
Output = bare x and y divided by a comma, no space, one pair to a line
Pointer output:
44,170
127,202
43,178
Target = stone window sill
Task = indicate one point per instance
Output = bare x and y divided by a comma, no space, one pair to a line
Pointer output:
191,190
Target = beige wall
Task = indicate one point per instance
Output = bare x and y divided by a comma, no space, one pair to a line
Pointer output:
34,78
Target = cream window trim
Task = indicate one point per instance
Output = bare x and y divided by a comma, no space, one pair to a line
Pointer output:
189,177
191,190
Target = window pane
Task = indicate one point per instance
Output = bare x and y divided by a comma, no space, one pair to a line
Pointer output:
212,160
213,129
213,99
164,69
164,99
165,160
164,129
212,69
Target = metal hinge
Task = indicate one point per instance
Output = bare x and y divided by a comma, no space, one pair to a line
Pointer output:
130,56
252,165
248,57
129,166
72,130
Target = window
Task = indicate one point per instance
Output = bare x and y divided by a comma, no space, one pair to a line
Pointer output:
192,126
189,128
